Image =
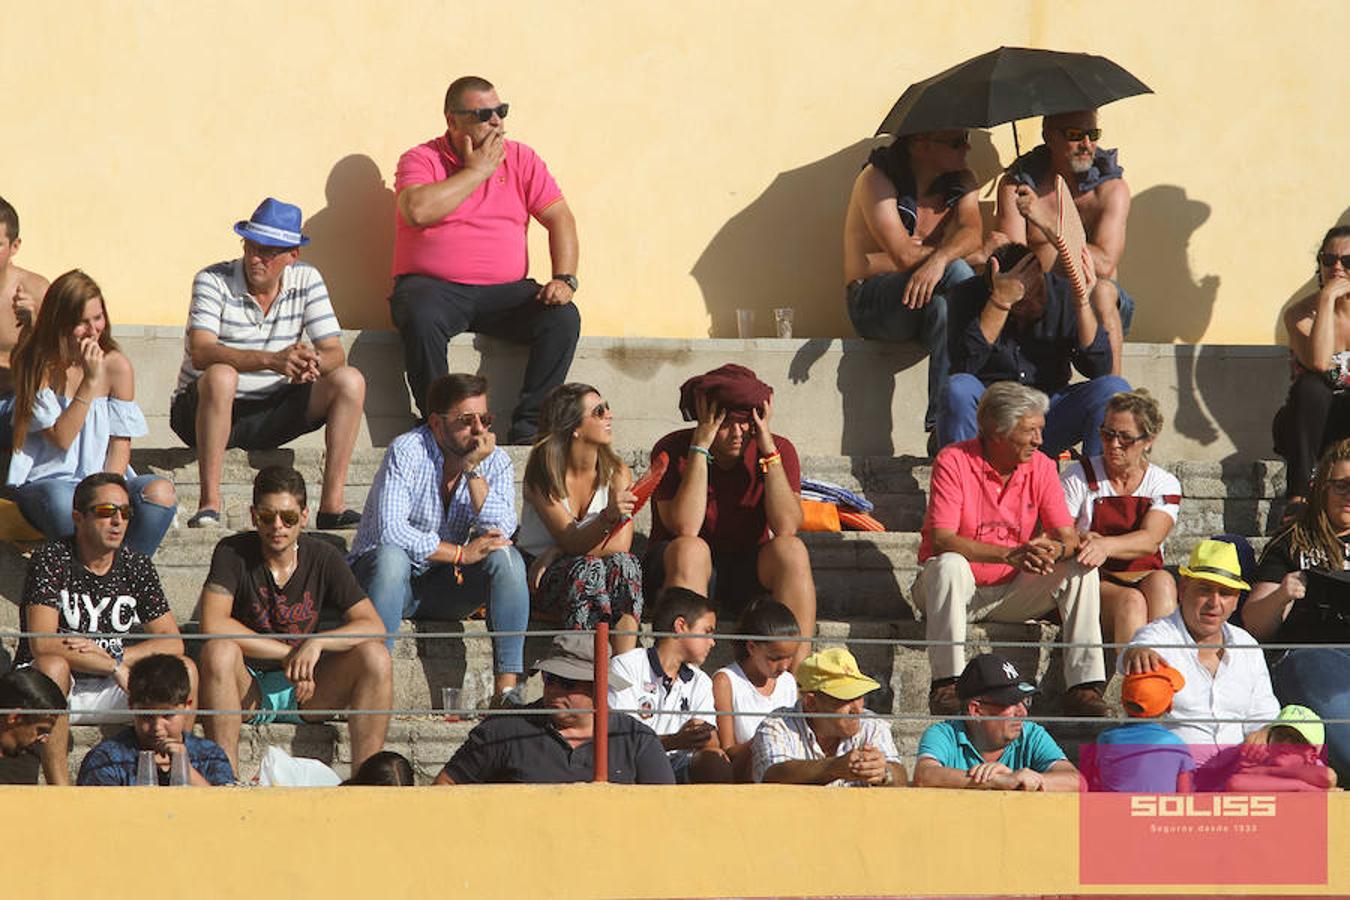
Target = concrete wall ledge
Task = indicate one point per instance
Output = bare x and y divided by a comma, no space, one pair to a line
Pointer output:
835,396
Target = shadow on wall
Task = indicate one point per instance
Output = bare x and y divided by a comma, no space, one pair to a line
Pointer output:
352,242
1172,304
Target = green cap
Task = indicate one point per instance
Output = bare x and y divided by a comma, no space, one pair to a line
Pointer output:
1305,722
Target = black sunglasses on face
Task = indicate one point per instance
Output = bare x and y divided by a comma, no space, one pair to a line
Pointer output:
486,113
601,410
1074,135
466,420
108,510
267,516
1126,440
567,684
1339,486
1330,259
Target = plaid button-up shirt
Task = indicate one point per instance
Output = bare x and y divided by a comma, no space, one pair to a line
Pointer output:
404,507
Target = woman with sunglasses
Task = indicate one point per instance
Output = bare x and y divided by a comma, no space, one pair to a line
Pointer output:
1125,507
75,414
576,523
1298,596
1317,412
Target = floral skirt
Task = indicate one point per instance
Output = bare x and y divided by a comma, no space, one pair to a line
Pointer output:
584,590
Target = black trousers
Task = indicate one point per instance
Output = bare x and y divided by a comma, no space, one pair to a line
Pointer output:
428,312
1313,418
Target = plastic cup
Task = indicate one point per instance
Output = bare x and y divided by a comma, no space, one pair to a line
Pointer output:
147,775
782,321
452,698
745,323
178,769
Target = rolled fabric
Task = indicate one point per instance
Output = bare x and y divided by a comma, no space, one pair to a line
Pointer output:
734,388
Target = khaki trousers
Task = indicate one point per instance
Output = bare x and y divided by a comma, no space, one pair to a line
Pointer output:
946,591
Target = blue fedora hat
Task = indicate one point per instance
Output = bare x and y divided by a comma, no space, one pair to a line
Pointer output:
274,224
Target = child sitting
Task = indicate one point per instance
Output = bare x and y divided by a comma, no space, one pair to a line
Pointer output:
665,684
157,682
1143,757
754,683
1291,758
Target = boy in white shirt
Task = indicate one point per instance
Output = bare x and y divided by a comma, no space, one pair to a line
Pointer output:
668,691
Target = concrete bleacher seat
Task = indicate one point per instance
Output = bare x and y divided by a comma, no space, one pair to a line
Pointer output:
863,579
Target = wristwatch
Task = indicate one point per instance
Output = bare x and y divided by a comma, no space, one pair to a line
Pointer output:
569,280
471,474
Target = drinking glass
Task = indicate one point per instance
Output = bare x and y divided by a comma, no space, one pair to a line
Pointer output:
782,321
745,323
147,774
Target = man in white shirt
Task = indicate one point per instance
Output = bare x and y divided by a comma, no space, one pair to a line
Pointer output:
854,750
1225,670
668,692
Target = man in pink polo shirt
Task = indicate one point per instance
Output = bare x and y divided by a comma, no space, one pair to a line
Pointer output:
999,544
465,200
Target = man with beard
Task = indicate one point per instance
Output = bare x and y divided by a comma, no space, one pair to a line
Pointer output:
434,538
1099,191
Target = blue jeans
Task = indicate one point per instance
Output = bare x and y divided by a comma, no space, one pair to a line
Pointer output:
1319,678
386,573
1076,412
47,505
877,314
1125,305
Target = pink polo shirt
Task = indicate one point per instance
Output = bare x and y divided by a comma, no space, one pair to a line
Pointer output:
483,240
967,496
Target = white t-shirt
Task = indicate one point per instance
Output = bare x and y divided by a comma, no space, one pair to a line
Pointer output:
1158,485
534,537
665,702
745,697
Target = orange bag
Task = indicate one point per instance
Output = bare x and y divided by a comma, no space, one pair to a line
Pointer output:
857,521
820,516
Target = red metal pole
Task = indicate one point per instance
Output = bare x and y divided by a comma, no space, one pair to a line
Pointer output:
600,734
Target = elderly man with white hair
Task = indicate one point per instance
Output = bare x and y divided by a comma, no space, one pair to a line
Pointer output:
983,557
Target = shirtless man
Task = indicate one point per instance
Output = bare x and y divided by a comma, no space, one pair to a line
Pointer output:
912,217
21,293
1103,201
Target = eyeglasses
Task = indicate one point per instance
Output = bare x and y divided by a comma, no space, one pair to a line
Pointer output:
1340,485
567,684
108,510
1330,259
601,410
486,113
262,251
1126,440
1074,135
961,142
466,420
267,516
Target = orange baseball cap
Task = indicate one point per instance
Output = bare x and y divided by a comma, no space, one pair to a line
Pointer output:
1148,695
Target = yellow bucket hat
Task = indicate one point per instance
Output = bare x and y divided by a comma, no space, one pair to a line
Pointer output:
1216,561
834,672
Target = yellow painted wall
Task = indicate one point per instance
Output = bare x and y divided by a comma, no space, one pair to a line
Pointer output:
567,841
706,146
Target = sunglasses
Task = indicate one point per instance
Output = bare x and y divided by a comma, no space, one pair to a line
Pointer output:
566,684
486,113
1330,259
1125,440
1340,485
466,420
601,410
267,516
108,510
1074,135
957,143
262,251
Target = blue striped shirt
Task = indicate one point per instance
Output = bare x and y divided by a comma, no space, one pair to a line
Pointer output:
404,506
222,305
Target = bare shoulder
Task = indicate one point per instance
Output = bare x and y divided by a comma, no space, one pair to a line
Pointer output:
873,184
1117,190
117,364
35,284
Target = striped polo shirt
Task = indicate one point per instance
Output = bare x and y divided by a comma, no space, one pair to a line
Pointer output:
222,305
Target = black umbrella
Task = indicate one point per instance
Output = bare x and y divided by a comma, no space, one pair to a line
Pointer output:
1007,84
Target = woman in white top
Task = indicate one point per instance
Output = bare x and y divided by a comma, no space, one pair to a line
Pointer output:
576,523
759,681
75,414
1125,507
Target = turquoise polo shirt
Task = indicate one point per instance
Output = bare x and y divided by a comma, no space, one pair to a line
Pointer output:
948,743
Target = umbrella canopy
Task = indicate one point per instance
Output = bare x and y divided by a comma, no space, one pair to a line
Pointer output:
1007,84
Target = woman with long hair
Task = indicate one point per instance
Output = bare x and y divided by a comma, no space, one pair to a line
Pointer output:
75,414
758,682
1317,411
576,523
1125,507
1299,597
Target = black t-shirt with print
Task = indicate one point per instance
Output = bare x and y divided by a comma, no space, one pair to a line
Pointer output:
321,579
123,599
1320,617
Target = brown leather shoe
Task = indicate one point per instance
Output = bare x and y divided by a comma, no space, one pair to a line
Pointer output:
942,700
1086,701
